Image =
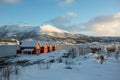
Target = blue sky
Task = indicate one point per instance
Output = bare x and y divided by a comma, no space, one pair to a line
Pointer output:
78,16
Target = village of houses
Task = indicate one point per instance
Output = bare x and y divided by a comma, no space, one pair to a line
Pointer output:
36,47
47,55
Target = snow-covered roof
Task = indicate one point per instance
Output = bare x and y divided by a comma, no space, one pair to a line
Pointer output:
49,43
26,43
32,43
42,43
52,43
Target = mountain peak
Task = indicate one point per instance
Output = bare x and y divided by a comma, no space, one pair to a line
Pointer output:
50,28
53,31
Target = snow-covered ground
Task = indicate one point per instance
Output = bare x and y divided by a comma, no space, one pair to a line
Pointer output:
89,70
84,67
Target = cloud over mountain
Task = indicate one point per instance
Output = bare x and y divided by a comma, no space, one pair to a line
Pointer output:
100,25
59,21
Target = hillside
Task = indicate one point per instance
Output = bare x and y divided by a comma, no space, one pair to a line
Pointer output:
16,30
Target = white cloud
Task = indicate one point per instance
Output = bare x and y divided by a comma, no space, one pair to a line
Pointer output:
2,2
100,26
65,2
72,14
11,1
59,21
106,26
117,15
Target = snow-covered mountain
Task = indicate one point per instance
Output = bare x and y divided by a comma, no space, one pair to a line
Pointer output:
53,31
40,30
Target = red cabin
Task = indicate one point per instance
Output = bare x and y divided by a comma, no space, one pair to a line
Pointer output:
44,48
55,47
37,48
50,46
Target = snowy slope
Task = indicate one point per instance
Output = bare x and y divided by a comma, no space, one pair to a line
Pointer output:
20,28
86,71
83,68
50,28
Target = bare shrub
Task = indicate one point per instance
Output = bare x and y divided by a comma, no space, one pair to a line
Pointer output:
111,49
6,72
100,58
60,60
43,65
16,67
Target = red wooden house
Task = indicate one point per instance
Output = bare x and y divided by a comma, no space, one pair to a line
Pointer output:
50,46
44,47
55,47
37,49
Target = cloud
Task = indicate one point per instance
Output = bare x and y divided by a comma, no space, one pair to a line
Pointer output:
106,25
2,2
99,26
59,21
72,14
12,1
65,2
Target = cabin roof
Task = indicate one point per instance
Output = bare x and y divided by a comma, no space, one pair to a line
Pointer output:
49,43
32,43
42,43
52,43
26,43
